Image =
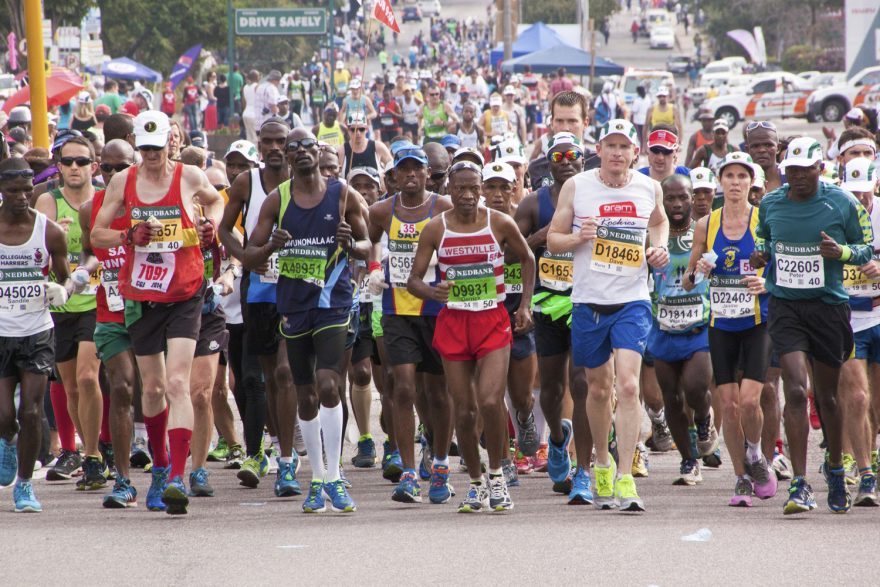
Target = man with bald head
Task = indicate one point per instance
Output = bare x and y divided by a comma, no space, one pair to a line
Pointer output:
438,166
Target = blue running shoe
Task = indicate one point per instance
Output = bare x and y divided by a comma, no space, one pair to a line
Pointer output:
314,503
440,490
340,500
264,465
558,459
408,489
343,478
157,487
839,499
426,460
123,495
800,497
8,462
198,483
25,500
581,492
286,484
175,497
366,454
393,467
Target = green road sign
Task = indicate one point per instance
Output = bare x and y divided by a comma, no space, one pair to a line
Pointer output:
281,21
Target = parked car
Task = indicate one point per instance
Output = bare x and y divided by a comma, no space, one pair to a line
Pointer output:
411,13
650,79
818,80
658,17
726,68
770,95
678,64
662,37
430,8
832,103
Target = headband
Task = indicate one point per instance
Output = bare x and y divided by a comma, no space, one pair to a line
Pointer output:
855,143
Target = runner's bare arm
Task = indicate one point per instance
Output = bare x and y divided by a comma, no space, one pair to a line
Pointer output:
697,249
237,194
560,237
429,242
264,241
657,255
101,234
379,219
56,242
208,197
692,143
359,242
384,153
86,257
46,204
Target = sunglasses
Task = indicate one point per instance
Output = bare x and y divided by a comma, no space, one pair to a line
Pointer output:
462,165
16,173
571,155
410,152
80,161
304,143
150,148
660,151
433,93
760,124
438,175
357,128
108,168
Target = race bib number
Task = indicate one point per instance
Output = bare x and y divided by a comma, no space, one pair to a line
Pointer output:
387,120
271,274
857,284
799,266
22,291
170,237
307,264
208,260
401,255
152,271
472,287
556,271
729,298
364,294
513,283
617,251
110,283
680,313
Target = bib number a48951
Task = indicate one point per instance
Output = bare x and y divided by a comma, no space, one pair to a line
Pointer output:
308,264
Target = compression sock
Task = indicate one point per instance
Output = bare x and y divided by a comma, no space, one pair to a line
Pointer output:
331,425
361,398
753,451
105,420
63,422
179,439
156,428
311,432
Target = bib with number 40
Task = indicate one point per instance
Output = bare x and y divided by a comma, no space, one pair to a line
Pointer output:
799,266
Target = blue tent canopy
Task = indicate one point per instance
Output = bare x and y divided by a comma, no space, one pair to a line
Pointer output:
535,38
574,61
127,69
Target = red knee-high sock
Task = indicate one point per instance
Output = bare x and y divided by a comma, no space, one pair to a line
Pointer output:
156,428
105,420
179,439
66,429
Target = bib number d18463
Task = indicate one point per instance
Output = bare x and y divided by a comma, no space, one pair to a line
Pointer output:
617,251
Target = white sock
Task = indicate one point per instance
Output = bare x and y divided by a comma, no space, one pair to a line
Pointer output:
444,462
657,417
753,451
331,425
286,460
540,422
311,432
140,430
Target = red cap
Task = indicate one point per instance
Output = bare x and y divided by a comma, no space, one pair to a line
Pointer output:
103,109
130,108
662,138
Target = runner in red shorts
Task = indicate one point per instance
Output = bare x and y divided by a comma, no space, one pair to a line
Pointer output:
473,331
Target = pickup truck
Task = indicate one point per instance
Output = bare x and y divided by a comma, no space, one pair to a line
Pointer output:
770,95
832,103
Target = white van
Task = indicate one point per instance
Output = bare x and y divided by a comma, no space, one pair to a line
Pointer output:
659,17
651,79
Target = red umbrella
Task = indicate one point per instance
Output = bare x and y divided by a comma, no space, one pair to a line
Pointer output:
61,86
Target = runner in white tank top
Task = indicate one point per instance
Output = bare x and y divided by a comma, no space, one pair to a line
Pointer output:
606,217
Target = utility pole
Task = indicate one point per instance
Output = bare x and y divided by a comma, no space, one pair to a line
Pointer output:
592,53
508,33
331,32
230,47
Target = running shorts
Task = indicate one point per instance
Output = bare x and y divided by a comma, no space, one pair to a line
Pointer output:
746,351
72,328
821,330
672,348
868,344
552,337
315,340
594,335
34,354
160,322
111,339
213,336
261,322
409,340
462,335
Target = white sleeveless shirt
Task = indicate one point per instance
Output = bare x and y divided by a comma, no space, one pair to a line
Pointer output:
612,269
24,310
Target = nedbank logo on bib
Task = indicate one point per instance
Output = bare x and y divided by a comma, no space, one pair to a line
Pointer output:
797,249
469,272
17,275
601,232
160,212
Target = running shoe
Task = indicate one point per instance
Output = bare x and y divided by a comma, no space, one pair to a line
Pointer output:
392,469
742,493
800,497
580,493
106,450
765,480
157,487
8,462
286,484
815,423
426,460
220,452
713,461
123,495
250,472
689,473
781,466
628,499
527,434
343,478
509,471
315,503
839,499
140,454
93,475
299,444
24,498
661,437
235,457
539,461
523,463
707,436
851,469
175,497
499,496
640,461
68,463
558,459
440,490
340,500
198,483
604,477
867,496
564,486
266,464
366,454
476,499
408,490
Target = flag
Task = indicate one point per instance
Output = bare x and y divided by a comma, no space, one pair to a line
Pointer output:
183,65
383,12
12,50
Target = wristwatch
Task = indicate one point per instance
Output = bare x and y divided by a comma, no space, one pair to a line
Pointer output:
236,270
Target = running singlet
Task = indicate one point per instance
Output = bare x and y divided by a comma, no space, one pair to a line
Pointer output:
733,308
862,289
790,232
261,288
468,139
331,135
367,158
473,263
85,300
295,89
403,239
24,309
410,111
169,269
109,298
612,268
433,130
678,311
700,142
313,272
496,125
662,117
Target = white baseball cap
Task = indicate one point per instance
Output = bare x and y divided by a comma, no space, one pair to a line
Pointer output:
499,169
760,177
662,91
151,129
802,152
495,100
703,177
244,148
339,64
737,158
474,152
510,151
355,83
564,138
619,126
859,175
509,90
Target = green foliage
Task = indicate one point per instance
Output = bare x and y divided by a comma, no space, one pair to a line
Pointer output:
800,57
565,11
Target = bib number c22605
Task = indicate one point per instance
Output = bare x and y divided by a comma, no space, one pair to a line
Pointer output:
799,266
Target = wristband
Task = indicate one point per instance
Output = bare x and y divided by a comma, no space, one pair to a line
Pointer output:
845,253
373,266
